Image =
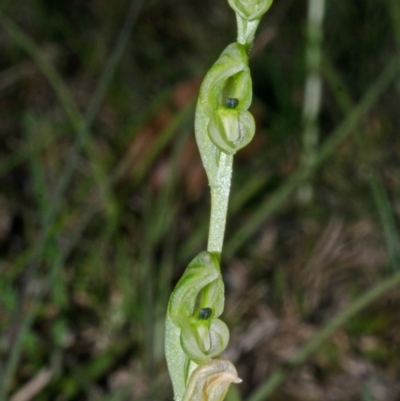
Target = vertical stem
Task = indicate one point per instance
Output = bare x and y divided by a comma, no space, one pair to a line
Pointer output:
313,89
220,188
246,31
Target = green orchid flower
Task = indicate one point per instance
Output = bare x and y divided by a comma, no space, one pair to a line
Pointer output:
250,9
194,334
223,123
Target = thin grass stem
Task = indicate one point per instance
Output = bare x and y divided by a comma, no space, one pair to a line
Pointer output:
312,91
82,128
266,389
347,127
379,194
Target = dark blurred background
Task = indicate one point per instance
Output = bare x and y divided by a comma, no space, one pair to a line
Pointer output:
103,198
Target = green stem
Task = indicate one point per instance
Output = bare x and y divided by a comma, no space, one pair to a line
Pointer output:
312,91
220,188
246,31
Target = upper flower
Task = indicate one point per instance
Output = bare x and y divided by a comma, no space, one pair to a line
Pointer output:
226,95
250,9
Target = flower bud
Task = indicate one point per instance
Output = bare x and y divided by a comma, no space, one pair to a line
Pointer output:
250,9
225,96
210,382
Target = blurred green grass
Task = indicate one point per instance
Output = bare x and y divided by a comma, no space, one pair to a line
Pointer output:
103,201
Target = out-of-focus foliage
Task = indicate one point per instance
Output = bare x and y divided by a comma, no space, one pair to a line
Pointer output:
98,223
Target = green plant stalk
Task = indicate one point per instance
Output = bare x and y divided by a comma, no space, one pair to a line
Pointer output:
195,336
246,192
246,31
312,90
219,205
248,16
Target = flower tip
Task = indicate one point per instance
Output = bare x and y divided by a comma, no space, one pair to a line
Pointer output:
210,382
234,378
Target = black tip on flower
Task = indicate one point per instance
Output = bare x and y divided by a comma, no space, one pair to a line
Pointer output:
231,103
205,313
